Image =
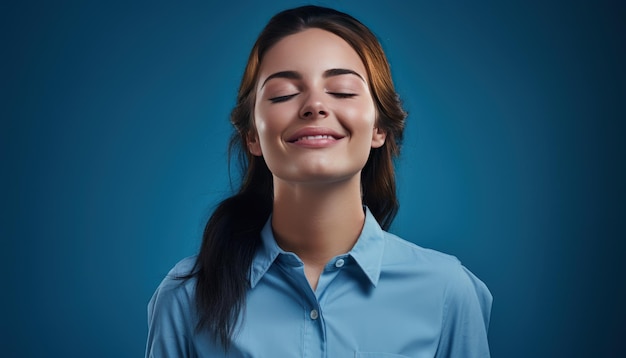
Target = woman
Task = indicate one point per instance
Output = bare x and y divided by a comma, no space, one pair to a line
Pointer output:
297,263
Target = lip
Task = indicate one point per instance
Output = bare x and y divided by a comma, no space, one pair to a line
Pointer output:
314,137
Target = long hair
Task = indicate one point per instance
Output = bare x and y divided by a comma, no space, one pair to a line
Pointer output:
231,235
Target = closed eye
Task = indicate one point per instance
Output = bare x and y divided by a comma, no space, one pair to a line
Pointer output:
282,98
342,95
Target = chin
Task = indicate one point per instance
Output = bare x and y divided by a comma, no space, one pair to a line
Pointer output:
319,176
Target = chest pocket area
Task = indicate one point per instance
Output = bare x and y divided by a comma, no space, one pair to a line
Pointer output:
377,355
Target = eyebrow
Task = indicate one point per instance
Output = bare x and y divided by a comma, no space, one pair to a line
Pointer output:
341,71
293,75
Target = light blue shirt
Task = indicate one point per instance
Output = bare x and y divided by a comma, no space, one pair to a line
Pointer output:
385,298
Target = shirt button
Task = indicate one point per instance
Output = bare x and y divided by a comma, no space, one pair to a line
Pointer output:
339,263
314,314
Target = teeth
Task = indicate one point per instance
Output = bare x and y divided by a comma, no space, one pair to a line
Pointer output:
312,137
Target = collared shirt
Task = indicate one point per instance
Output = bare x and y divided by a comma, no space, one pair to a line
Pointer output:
386,297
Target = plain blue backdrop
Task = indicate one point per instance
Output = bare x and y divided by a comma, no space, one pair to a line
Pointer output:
114,134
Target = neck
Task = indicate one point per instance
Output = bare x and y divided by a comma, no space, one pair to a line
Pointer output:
317,222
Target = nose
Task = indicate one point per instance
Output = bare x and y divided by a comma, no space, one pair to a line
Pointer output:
313,108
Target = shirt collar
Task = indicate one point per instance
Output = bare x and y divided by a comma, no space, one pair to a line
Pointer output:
367,252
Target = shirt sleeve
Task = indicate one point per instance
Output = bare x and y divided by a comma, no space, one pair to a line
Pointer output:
169,324
467,310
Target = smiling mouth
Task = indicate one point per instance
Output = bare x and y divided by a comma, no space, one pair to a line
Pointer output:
313,137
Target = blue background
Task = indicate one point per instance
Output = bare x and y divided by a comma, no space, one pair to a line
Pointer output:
114,134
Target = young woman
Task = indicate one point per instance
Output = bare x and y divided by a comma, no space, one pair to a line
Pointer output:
297,263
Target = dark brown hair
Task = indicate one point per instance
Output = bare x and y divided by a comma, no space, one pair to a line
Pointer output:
231,235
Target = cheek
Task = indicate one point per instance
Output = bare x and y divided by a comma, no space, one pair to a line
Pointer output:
361,116
262,114
269,121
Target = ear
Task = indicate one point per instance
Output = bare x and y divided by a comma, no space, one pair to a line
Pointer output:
378,138
254,146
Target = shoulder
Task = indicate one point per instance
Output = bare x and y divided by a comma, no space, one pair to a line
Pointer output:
171,313
445,271
464,296
179,276
182,268
176,290
402,252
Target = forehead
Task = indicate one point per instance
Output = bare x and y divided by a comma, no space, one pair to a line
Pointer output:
311,52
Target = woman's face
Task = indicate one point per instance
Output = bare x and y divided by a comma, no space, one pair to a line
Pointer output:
314,114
